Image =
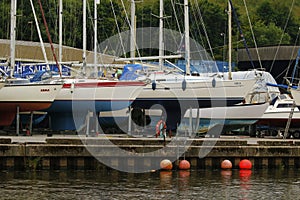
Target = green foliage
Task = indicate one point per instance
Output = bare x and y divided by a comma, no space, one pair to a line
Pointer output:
269,19
267,35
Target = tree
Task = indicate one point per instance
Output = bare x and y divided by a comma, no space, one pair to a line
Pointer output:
267,35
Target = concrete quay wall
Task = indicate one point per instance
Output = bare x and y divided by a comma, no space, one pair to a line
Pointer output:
145,153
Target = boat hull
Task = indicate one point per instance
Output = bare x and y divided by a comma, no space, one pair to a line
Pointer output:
228,118
26,97
225,118
280,119
278,113
175,97
76,99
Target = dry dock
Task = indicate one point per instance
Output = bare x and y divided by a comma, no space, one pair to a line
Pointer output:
137,154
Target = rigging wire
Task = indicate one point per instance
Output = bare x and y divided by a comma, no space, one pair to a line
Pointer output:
291,58
119,32
176,18
172,33
241,32
49,38
204,29
286,23
253,36
93,25
130,27
197,10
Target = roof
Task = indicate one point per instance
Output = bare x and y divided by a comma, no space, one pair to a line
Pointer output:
269,53
28,51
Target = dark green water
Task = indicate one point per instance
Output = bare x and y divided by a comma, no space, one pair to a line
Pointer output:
200,184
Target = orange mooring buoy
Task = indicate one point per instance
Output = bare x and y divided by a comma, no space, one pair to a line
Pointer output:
226,164
166,164
184,165
245,164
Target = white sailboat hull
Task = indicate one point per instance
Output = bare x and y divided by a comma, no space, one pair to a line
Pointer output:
205,92
226,118
26,97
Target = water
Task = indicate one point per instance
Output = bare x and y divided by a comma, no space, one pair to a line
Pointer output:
196,184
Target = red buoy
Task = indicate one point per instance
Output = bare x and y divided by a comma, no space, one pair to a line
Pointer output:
166,164
226,164
245,164
184,165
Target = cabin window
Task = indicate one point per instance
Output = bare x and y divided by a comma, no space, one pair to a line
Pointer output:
281,105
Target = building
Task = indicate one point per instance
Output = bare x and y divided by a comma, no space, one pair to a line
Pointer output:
278,60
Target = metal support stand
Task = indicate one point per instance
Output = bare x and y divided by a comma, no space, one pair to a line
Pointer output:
30,123
190,130
129,121
96,123
197,122
286,130
18,122
87,124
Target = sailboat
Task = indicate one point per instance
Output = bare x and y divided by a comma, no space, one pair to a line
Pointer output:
25,97
22,95
81,96
178,92
283,112
174,93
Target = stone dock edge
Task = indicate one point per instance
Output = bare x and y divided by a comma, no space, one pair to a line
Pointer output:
134,154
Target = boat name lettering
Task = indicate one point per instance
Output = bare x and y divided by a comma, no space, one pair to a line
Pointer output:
237,83
45,90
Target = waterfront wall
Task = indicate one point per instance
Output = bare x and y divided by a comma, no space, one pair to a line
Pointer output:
145,153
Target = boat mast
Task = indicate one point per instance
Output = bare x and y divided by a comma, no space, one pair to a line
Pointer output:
187,38
132,29
60,34
13,15
161,26
229,40
84,37
40,35
96,2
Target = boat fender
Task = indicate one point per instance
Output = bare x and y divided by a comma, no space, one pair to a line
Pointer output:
153,85
160,128
214,82
183,84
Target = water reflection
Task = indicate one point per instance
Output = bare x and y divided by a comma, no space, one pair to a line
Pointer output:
184,180
245,183
226,176
181,184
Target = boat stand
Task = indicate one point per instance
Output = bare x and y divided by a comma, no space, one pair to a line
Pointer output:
94,130
18,121
193,128
129,121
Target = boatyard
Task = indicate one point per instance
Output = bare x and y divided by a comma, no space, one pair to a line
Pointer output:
161,99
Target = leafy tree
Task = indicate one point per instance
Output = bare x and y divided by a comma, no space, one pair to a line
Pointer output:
267,35
269,19
266,13
5,19
215,21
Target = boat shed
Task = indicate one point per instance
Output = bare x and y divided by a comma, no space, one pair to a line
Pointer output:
31,52
275,59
